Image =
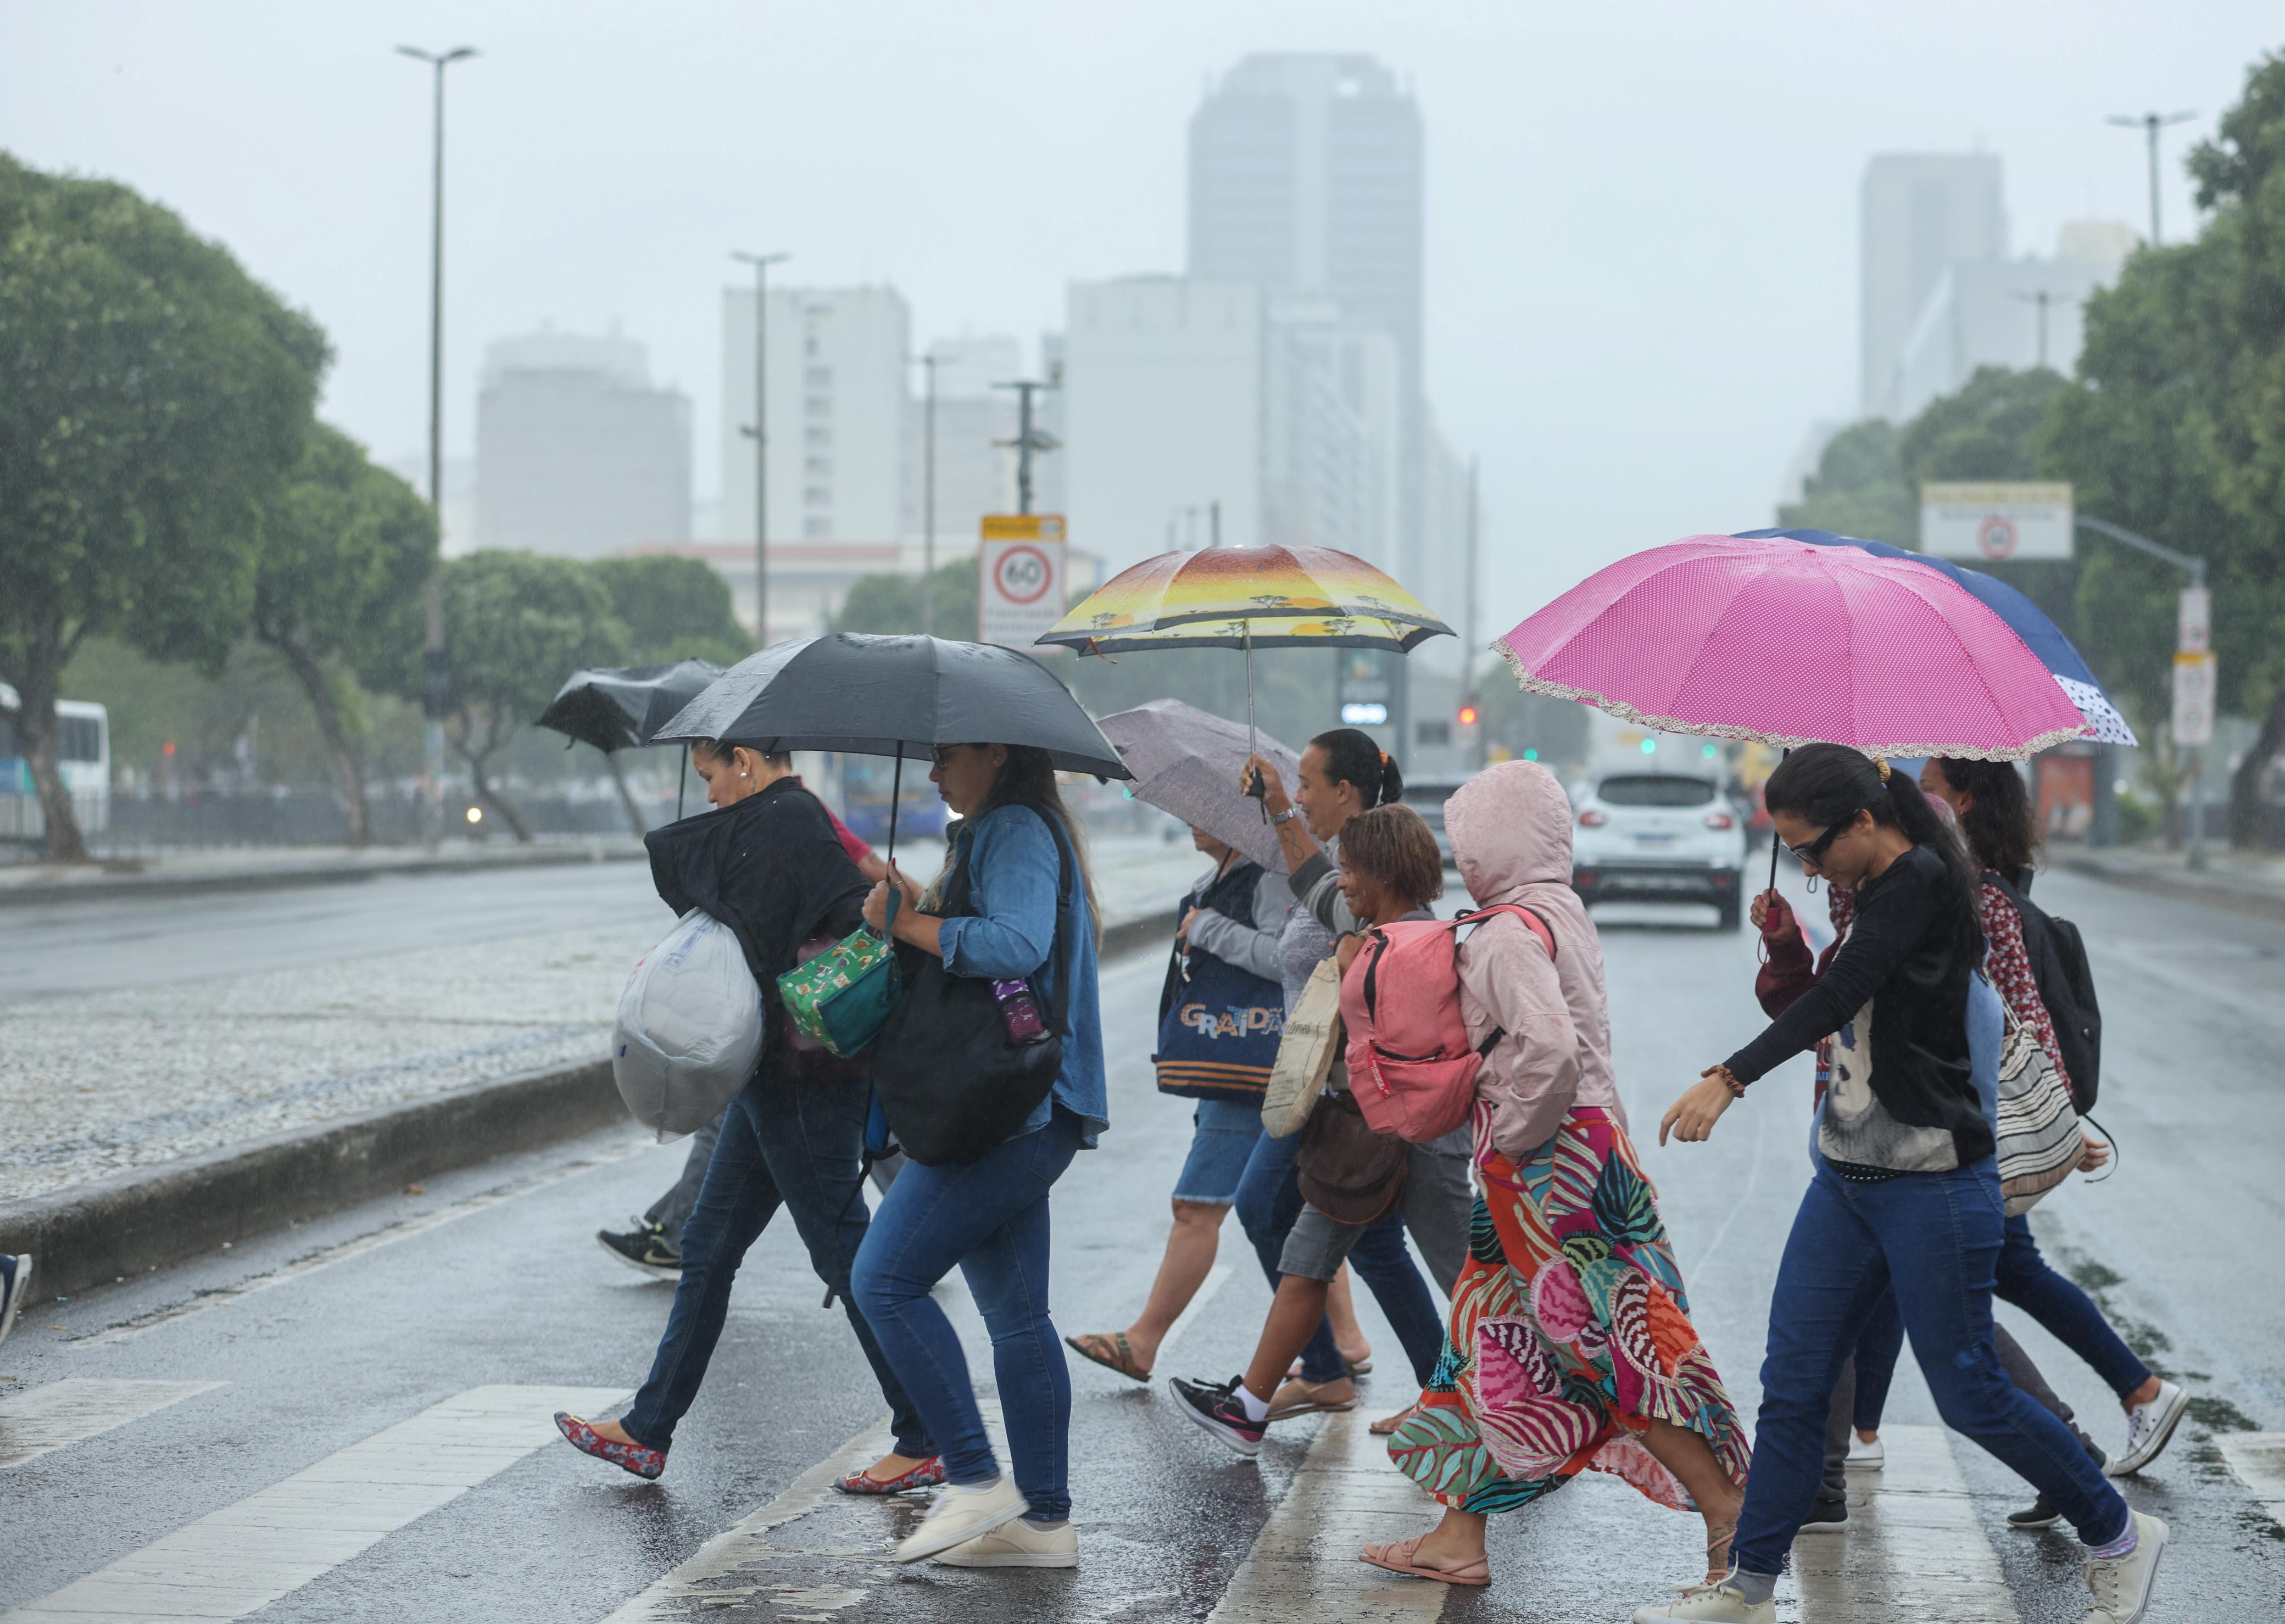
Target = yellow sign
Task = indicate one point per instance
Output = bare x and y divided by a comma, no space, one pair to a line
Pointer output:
1023,527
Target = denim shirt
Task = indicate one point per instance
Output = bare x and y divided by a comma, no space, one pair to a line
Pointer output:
1014,872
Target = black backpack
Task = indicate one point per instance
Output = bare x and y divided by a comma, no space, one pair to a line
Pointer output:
2058,958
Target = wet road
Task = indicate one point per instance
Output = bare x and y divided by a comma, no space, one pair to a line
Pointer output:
348,1421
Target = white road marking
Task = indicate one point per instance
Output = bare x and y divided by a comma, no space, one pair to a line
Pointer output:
2258,1460
126,1331
39,1419
242,1558
1915,1548
1216,1278
1303,1568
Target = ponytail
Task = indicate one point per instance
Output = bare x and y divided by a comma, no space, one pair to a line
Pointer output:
1827,784
2001,832
1351,757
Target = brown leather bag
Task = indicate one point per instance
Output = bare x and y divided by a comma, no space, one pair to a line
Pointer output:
1348,1171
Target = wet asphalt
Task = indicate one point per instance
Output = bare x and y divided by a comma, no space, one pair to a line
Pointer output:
490,1275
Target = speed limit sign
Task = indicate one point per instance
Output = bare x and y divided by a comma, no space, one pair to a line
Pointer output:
1021,577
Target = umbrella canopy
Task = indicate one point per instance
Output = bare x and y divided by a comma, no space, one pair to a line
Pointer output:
1186,761
622,707
1706,636
1242,597
2024,618
898,696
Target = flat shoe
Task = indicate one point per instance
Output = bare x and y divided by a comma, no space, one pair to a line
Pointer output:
1398,1558
1387,1425
928,1474
1107,1349
639,1459
1301,1398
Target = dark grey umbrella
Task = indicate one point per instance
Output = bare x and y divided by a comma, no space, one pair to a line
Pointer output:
622,707
900,696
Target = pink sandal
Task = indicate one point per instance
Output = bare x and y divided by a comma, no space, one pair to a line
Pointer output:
1398,1558
643,1462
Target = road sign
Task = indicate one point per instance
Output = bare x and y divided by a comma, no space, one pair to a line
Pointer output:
1023,575
2194,699
1995,522
2193,620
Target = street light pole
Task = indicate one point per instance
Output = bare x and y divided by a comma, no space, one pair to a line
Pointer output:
2151,123
2195,567
759,431
927,502
2042,298
436,667
1027,439
1468,615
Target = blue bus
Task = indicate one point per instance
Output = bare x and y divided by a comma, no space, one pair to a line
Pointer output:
865,782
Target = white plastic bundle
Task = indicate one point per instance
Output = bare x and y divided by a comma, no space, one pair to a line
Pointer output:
689,1030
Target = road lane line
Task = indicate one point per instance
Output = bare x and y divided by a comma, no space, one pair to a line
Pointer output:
239,1559
1914,1548
2258,1460
1216,1278
405,1229
1303,1568
47,1417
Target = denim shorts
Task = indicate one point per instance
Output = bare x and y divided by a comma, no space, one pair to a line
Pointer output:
1220,1142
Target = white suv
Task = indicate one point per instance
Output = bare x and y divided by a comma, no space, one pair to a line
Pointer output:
1660,837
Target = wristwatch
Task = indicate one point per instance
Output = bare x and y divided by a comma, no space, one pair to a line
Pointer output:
1287,816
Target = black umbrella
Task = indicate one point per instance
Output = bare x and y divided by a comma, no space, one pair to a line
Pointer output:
622,707
899,696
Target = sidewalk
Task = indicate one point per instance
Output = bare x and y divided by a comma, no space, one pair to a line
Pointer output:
255,867
2243,882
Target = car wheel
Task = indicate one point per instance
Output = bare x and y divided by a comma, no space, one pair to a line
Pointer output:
1733,912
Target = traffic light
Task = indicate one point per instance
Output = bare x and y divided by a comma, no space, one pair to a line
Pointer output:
1468,713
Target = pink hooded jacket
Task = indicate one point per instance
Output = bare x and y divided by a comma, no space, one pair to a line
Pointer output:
1510,833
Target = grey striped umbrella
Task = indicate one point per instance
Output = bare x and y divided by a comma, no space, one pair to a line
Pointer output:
1186,761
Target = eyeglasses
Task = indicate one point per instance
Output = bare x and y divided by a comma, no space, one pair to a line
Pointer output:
1813,853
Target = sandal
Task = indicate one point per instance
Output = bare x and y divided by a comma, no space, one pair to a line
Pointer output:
1363,1367
1107,1349
643,1462
1718,1539
1387,1425
928,1474
1398,1558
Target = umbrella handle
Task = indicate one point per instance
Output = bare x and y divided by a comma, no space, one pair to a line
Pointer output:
682,783
897,794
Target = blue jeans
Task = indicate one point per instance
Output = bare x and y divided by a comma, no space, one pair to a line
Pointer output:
1935,1237
1877,1347
990,1218
1269,1201
800,1146
2025,1280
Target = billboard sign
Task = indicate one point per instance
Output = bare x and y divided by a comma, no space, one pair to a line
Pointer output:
1995,522
1023,573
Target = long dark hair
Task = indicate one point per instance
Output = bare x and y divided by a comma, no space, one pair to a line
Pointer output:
1351,757
2001,832
1826,784
1027,778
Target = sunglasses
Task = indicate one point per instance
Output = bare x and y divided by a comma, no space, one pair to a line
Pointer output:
1813,853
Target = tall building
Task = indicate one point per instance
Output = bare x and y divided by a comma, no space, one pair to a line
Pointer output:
1922,213
975,465
1334,434
838,405
577,454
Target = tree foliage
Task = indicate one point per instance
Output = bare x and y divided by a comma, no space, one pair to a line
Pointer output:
1859,489
890,604
156,396
673,608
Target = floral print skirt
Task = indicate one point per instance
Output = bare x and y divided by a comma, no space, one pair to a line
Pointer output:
1570,1332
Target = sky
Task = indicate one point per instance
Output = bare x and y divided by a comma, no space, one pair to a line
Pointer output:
1641,220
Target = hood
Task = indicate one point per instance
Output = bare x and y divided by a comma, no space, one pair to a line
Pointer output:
1510,828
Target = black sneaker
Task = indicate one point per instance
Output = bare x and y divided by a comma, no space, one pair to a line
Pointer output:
645,1247
1825,1517
1216,1406
2040,1514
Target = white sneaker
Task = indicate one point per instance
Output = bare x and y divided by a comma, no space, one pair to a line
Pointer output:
1720,1604
958,1515
1018,1544
1867,1457
2122,1585
2149,1428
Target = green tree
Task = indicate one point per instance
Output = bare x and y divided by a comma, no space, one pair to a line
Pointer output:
2176,429
345,548
674,609
156,396
1859,489
515,625
890,604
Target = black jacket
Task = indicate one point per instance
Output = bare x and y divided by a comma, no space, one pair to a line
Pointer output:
1910,950
769,867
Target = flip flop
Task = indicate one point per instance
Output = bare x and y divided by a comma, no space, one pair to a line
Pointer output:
1363,1367
1398,1558
1092,1345
1386,1427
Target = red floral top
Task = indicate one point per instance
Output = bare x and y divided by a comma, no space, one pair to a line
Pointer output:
2009,968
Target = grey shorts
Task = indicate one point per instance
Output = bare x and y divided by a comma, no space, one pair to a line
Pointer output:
1439,1201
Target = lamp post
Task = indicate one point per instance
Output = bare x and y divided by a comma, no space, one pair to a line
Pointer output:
1028,439
759,431
927,500
2151,123
437,671
2195,567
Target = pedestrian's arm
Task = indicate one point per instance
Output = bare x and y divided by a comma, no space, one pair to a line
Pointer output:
1015,871
1792,970
1251,948
1293,837
1887,928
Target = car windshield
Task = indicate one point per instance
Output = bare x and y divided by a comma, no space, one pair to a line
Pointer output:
1654,790
1428,800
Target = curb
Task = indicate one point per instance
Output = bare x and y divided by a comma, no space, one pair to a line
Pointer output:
338,873
2236,899
147,1218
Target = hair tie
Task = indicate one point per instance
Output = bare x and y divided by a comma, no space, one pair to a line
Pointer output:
1383,758
1881,762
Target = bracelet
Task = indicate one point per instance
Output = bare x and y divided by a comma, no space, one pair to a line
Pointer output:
1287,816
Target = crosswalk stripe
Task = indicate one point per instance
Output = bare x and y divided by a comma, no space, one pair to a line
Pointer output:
2258,1460
55,1414
1914,1548
244,1556
1303,1567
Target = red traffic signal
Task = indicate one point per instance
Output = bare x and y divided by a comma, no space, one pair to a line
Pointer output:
1468,714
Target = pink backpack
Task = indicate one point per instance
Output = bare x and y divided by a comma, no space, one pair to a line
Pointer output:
1412,1067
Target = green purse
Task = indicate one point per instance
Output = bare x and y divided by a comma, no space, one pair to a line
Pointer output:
840,999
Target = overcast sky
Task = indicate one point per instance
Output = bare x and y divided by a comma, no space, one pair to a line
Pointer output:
1642,220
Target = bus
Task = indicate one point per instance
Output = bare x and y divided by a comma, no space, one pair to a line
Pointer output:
83,752
865,781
